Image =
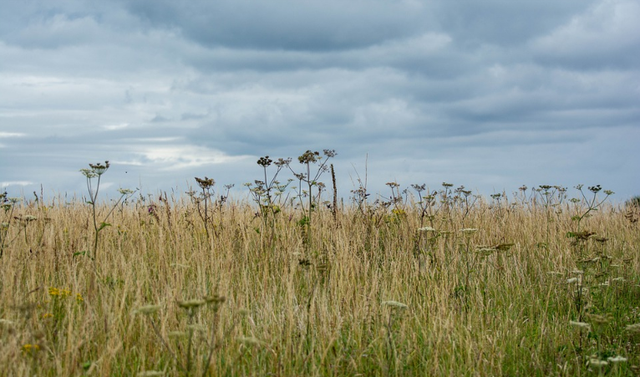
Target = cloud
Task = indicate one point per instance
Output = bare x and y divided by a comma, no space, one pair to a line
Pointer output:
285,25
606,35
15,183
479,93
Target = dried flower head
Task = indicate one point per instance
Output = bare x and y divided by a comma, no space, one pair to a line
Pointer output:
205,183
309,157
265,161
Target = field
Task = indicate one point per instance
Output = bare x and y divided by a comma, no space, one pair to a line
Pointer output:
291,283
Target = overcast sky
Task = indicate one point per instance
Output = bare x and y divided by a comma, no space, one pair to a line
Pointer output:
490,94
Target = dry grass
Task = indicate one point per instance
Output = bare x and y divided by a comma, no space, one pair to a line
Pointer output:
327,304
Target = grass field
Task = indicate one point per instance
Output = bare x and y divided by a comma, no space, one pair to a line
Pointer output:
416,284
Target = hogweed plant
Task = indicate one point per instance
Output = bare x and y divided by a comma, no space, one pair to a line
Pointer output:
95,172
268,195
203,201
186,362
310,176
8,205
490,303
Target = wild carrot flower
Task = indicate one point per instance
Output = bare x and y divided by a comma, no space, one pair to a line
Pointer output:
150,373
598,363
250,341
617,359
190,304
581,325
395,304
635,328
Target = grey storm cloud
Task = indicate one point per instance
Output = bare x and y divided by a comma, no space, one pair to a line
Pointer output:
491,94
282,24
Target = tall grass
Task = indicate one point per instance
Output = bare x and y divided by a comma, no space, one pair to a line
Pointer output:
377,292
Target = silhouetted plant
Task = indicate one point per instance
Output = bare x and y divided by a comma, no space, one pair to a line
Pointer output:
95,172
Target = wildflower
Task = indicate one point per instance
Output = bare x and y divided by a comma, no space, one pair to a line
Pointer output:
98,168
191,304
572,280
215,299
635,328
251,341
150,373
617,359
468,230
486,251
30,349
53,292
427,229
79,298
205,183
197,328
600,319
395,304
47,315
577,272
147,309
581,325
125,191
598,363
620,278
399,212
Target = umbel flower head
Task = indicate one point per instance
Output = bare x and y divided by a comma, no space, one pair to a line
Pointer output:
96,170
99,168
205,182
395,304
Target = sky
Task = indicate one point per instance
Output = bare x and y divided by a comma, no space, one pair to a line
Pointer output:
490,94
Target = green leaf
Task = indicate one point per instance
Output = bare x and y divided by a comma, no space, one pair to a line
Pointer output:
103,225
83,253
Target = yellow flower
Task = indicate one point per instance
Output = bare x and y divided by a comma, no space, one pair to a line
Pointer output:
29,349
53,291
47,315
79,298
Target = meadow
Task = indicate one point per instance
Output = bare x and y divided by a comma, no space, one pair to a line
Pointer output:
292,281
